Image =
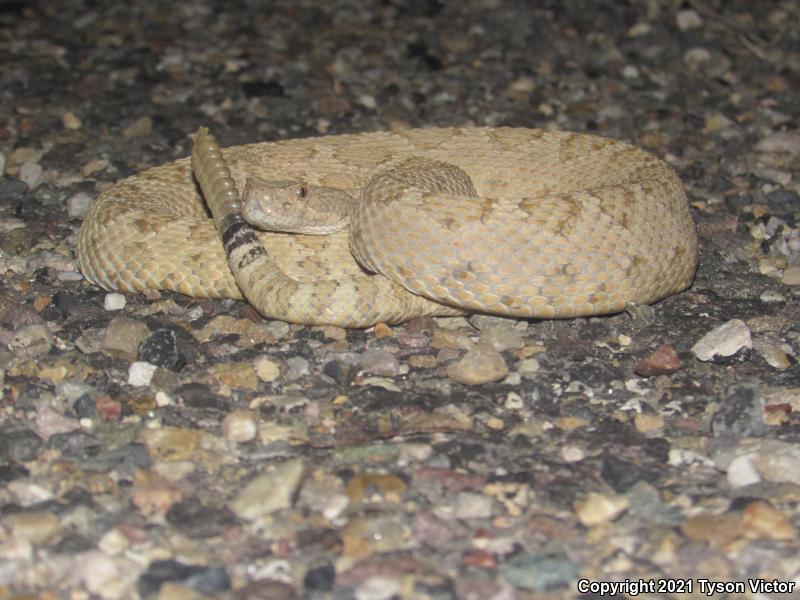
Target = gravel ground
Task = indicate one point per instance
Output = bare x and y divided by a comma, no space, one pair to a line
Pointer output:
166,447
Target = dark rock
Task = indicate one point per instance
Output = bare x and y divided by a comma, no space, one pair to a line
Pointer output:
206,580
197,520
320,578
73,442
22,445
160,348
741,412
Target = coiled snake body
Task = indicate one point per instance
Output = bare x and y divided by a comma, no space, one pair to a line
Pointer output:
516,222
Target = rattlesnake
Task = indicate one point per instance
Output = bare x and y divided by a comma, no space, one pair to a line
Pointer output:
542,224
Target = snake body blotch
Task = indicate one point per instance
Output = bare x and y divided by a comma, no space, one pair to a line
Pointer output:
516,222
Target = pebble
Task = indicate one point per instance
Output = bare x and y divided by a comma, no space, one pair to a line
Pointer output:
791,276
171,444
380,362
297,368
422,361
139,128
472,505
777,460
94,166
114,301
382,330
501,336
481,365
687,20
375,487
320,578
140,373
30,173
250,332
123,336
240,375
717,530
37,527
323,493
451,338
774,351
742,472
240,425
482,322
572,454
598,508
27,492
648,423
50,422
378,587
762,520
740,413
661,361
695,58
332,332
434,530
78,205
29,341
160,348
527,367
725,340
646,504
21,445
267,370
270,491
781,141
163,576
383,533
71,120
538,572
155,493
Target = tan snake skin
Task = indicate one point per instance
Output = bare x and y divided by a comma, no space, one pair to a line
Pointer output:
562,225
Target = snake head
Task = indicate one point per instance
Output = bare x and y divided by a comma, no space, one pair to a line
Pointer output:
295,207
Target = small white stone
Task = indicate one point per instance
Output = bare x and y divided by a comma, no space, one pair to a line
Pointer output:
688,19
379,587
472,505
140,373
781,141
367,100
163,399
772,296
514,401
742,471
725,340
639,29
572,454
114,301
240,425
694,57
630,72
30,173
114,542
78,204
528,365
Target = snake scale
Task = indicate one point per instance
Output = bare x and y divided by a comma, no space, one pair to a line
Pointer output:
509,221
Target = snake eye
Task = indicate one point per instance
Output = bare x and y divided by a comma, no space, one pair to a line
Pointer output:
302,191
